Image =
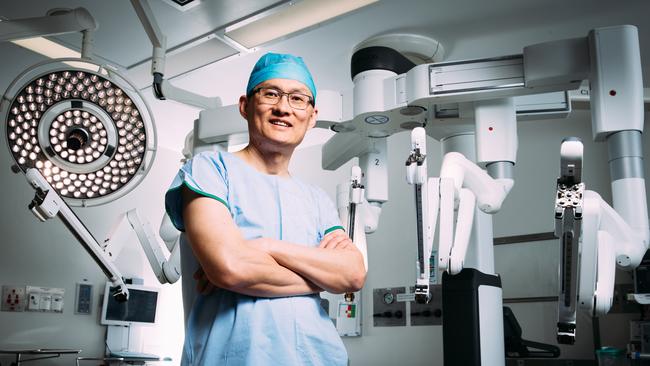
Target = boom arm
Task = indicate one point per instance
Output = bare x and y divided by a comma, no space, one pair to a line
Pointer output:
48,204
162,88
167,268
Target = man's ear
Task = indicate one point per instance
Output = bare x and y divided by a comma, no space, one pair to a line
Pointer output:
313,118
243,104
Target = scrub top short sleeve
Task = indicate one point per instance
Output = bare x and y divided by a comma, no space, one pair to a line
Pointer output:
329,220
204,174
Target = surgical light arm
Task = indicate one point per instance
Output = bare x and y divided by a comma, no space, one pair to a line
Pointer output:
167,268
162,88
76,20
48,204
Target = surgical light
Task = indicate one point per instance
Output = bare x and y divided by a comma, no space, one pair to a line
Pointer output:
86,129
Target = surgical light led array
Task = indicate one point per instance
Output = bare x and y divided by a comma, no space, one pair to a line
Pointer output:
83,129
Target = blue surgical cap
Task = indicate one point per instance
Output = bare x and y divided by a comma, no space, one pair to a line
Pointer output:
280,66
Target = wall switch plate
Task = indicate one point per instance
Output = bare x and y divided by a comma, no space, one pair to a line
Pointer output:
83,299
45,299
13,298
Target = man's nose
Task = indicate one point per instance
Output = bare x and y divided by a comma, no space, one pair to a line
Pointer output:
283,103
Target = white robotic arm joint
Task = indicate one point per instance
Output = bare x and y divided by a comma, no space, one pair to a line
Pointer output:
490,193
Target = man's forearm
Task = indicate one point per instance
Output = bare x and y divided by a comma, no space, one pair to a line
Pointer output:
333,270
262,276
231,262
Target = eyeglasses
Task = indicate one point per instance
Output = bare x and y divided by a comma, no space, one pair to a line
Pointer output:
272,96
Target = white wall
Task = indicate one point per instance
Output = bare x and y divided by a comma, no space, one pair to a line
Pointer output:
46,254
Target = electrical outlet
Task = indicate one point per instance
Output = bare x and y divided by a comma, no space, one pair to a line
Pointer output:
13,298
34,299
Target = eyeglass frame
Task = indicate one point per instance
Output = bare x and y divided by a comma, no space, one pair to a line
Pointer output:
282,94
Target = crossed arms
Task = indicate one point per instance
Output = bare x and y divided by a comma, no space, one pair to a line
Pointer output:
267,267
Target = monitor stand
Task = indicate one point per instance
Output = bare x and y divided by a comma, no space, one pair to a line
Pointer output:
118,338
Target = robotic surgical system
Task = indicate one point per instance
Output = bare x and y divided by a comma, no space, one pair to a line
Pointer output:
83,135
472,107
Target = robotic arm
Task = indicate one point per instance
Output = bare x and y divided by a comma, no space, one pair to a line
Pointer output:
426,199
351,207
568,220
609,236
463,184
352,211
594,239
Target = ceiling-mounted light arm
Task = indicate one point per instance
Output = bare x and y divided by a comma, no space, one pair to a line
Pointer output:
161,87
59,22
87,40
47,204
157,38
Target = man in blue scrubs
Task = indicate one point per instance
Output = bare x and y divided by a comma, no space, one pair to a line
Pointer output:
268,242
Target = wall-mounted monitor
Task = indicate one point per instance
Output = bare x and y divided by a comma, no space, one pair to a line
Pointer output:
140,308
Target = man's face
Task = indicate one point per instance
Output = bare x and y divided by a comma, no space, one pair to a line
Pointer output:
277,126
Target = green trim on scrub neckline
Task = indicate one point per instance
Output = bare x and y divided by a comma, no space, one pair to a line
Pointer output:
333,228
202,194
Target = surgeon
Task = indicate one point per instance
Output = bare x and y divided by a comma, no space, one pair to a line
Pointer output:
267,241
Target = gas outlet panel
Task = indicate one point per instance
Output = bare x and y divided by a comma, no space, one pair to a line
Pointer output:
429,313
387,310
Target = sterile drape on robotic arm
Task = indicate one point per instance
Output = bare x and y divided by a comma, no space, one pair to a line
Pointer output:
82,134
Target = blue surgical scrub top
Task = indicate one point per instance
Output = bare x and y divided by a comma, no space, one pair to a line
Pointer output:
228,328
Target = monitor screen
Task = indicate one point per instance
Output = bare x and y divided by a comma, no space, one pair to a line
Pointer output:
139,308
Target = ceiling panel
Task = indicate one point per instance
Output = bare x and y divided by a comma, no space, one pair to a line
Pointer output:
121,37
